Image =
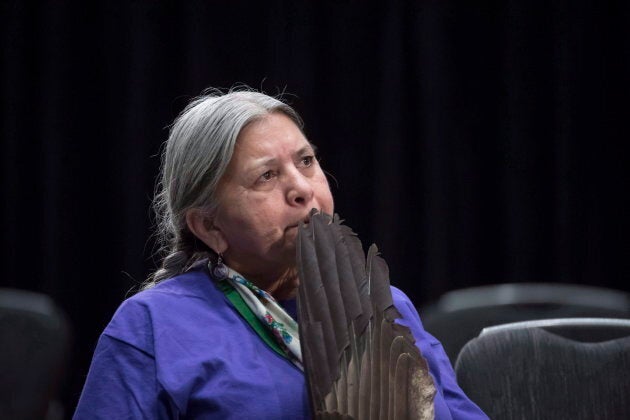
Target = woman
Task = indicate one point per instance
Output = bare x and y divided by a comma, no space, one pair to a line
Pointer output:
238,176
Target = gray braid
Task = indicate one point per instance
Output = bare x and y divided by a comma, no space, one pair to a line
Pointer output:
185,250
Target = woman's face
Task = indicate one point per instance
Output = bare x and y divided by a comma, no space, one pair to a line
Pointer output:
271,184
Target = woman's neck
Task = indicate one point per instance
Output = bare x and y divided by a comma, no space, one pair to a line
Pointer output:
282,285
285,287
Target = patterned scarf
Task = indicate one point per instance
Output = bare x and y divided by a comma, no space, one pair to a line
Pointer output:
271,314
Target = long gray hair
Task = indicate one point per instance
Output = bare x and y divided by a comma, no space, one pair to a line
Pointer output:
197,153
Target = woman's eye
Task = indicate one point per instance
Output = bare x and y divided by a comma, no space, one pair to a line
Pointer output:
266,176
308,160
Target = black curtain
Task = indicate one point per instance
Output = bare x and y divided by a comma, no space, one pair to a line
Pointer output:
474,142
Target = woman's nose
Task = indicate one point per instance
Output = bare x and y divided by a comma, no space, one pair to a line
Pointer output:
299,189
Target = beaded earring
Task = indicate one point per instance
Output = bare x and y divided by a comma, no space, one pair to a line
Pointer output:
220,270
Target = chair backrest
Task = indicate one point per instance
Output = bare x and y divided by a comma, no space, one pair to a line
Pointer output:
35,339
550,369
460,315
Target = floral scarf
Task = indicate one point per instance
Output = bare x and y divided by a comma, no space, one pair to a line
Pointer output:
271,314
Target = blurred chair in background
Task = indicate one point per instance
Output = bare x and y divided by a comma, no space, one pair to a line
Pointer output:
575,368
460,315
35,341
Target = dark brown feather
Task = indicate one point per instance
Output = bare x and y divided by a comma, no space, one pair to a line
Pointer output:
358,362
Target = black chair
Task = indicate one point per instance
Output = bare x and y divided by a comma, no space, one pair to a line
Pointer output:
35,340
576,368
460,315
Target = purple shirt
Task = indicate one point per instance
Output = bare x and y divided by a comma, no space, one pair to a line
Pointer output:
181,350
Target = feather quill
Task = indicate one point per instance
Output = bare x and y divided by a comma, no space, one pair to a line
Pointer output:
358,362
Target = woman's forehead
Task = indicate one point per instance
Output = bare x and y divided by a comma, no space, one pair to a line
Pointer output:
274,134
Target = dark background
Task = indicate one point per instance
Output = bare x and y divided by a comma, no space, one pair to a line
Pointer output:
474,143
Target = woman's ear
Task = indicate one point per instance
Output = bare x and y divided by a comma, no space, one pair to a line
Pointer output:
200,224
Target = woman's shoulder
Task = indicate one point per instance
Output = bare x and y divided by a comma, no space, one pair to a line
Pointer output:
398,295
403,304
170,303
410,318
192,284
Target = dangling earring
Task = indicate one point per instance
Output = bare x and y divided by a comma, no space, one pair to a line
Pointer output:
220,270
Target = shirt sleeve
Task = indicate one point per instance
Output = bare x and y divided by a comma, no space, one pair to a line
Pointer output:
122,381
459,405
